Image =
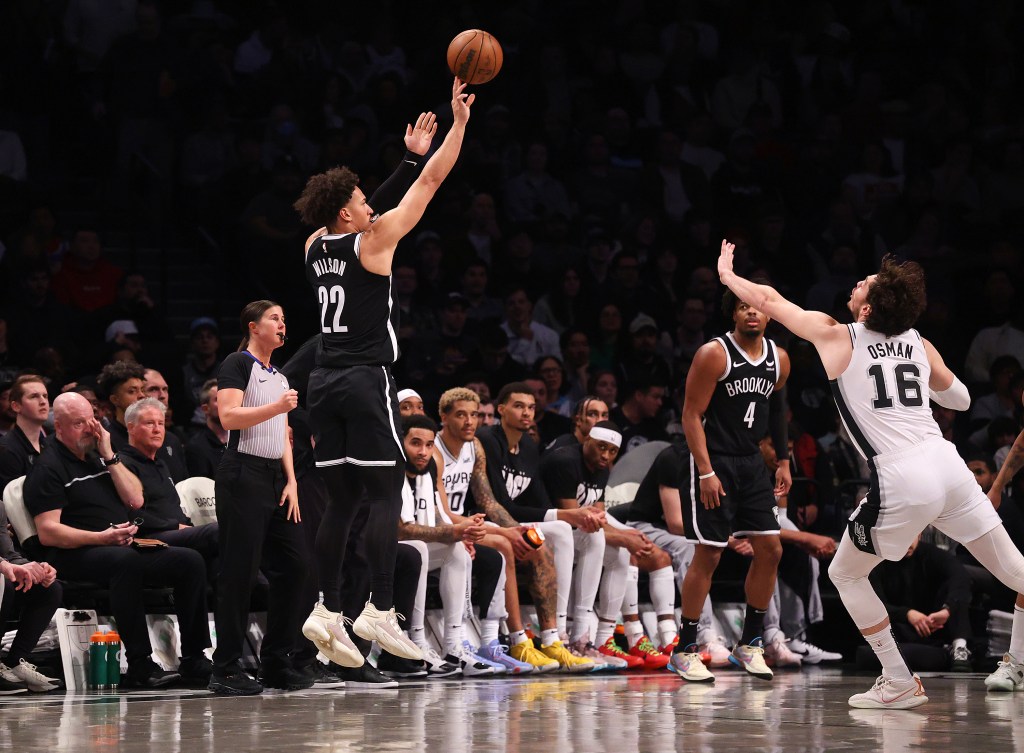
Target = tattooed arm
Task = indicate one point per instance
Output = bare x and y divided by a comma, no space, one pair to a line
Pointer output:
483,494
445,534
1013,463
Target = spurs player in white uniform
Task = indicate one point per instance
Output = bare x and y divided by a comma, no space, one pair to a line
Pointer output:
883,374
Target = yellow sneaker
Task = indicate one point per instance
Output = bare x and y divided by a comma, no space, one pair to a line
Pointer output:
565,658
526,652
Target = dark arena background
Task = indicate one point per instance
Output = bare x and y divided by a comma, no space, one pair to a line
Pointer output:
150,156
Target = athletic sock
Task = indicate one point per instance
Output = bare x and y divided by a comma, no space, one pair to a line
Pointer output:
959,643
634,631
687,633
605,630
666,631
753,625
549,636
883,643
418,636
561,622
1017,634
488,631
516,637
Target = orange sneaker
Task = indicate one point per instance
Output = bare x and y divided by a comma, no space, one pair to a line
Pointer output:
611,648
653,658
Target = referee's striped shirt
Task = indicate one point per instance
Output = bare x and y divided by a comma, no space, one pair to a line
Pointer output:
260,386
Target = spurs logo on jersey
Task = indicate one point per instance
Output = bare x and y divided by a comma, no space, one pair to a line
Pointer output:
419,498
358,319
882,394
737,415
456,474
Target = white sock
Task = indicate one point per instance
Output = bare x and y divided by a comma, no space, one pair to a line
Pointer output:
1017,634
549,636
418,636
488,631
581,625
605,630
630,599
634,631
662,585
562,622
516,637
667,631
883,643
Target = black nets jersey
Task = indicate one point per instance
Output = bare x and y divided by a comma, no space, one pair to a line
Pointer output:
358,318
736,418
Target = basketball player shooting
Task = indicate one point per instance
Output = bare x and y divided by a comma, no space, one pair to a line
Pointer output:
352,398
882,374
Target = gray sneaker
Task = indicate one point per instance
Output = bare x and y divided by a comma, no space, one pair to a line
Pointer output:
10,683
36,681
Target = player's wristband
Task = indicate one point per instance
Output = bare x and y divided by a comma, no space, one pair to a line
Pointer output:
706,475
412,157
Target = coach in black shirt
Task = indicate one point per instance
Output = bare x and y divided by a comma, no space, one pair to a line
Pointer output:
161,514
83,500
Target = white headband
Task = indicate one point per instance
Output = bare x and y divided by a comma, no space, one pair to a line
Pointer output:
606,435
404,395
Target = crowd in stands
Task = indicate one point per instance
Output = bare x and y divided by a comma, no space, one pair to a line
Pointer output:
573,247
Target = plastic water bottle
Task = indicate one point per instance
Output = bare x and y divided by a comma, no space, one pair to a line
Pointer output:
113,662
98,676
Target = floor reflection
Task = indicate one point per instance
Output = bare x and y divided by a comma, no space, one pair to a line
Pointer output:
614,714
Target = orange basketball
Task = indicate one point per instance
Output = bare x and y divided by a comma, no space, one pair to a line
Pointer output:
475,56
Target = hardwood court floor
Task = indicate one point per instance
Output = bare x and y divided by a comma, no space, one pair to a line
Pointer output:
797,711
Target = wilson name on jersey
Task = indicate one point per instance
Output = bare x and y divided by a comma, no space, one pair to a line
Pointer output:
457,473
737,415
882,395
358,318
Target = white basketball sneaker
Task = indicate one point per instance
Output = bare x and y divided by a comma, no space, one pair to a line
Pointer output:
327,631
888,693
811,654
1008,676
383,627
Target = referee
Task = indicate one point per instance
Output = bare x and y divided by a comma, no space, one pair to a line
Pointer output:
257,509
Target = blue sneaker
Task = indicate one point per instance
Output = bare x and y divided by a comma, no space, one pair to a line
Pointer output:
497,653
499,669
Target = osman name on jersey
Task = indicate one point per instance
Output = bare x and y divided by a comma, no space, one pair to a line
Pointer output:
892,350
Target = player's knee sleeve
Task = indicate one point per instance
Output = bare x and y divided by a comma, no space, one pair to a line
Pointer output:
859,597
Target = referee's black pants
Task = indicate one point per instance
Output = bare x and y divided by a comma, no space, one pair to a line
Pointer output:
255,535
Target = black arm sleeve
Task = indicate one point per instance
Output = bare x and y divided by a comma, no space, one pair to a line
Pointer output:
391,191
777,424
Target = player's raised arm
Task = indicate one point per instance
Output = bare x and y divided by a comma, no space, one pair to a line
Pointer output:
378,244
814,326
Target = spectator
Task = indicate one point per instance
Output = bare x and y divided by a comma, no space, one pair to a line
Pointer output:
86,282
20,446
76,489
990,343
642,364
562,308
606,344
690,332
7,415
474,287
549,425
206,447
1001,402
201,364
35,318
31,598
576,348
161,515
556,381
527,339
604,385
927,595
533,193
494,362
638,416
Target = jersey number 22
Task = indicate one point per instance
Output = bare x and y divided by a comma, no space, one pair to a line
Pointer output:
334,296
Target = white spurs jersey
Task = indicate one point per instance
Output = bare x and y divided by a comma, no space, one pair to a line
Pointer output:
882,395
456,474
419,499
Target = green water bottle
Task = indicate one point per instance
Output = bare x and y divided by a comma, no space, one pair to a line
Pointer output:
113,663
98,661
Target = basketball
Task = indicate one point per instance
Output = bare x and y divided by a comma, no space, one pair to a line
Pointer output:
475,56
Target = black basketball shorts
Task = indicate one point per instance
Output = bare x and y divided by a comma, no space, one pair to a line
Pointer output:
747,509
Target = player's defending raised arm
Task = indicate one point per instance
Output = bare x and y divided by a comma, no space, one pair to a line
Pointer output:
378,244
830,338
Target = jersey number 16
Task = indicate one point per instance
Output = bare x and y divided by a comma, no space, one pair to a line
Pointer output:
908,386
